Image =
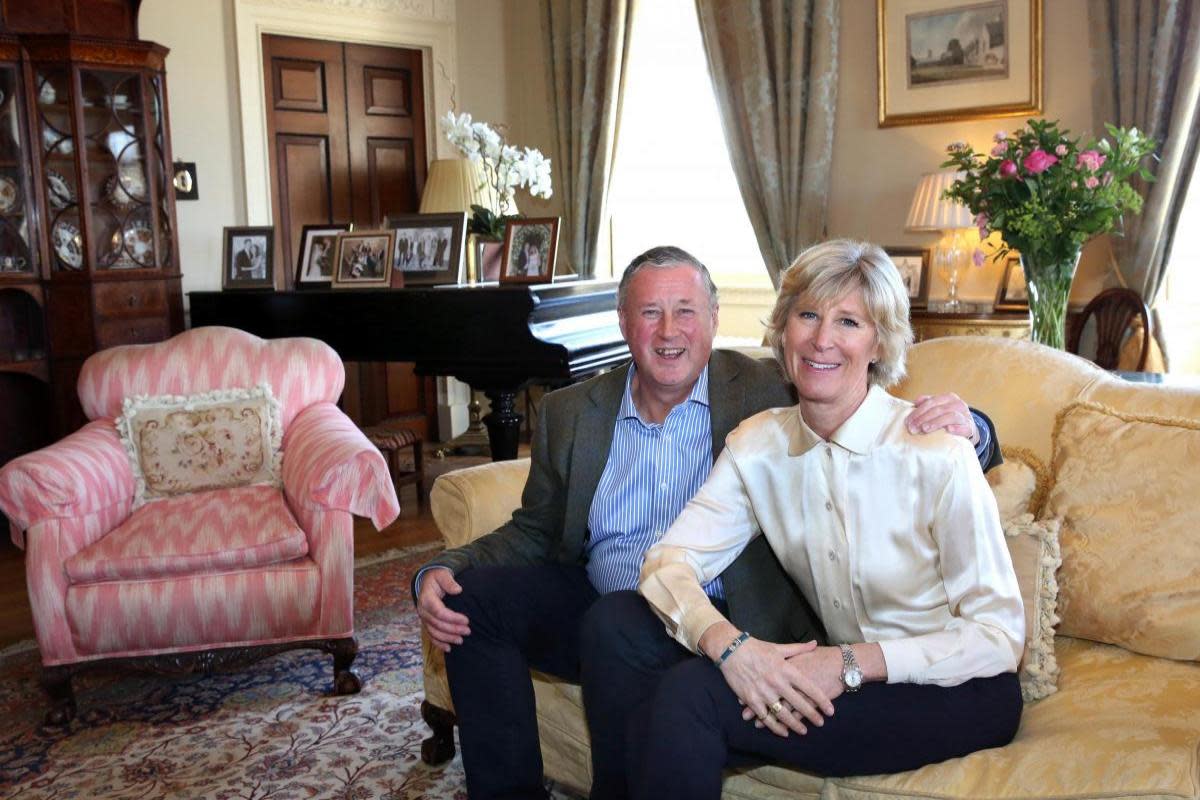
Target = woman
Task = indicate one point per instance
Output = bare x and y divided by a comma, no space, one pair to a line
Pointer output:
893,538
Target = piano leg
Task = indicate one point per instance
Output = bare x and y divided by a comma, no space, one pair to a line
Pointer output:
503,424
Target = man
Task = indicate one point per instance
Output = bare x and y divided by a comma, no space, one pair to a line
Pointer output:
614,460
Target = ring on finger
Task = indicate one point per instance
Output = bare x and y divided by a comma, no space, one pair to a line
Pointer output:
776,708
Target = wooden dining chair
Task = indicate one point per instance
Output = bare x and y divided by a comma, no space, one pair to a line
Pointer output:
1114,311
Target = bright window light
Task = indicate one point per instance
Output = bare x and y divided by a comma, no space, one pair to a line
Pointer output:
1180,306
672,180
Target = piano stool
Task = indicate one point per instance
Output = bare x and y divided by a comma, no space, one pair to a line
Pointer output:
391,441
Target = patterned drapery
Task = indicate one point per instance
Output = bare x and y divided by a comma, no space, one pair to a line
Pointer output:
588,46
1146,55
774,66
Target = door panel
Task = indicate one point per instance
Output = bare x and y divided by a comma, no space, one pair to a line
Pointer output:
346,127
306,131
389,171
304,178
386,122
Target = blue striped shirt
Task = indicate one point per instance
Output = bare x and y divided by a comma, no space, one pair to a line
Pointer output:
652,471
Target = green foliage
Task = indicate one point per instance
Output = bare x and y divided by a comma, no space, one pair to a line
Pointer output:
1047,193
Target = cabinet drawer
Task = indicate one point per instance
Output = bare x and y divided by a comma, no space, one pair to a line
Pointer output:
130,298
145,330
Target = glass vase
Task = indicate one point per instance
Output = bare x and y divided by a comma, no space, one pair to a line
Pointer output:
1048,283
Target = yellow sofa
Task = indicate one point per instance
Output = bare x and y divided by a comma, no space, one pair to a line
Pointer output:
1117,462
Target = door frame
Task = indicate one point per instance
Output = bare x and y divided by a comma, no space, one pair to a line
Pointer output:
429,27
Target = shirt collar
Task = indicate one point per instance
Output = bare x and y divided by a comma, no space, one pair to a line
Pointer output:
857,434
628,410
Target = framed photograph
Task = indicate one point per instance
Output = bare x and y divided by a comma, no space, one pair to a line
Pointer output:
913,264
428,248
318,244
249,258
1012,294
530,246
950,60
363,260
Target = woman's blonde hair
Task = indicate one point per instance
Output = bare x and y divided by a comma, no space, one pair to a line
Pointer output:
825,272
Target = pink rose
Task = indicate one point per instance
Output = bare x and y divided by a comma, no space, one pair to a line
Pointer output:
1008,169
1000,136
1061,150
978,257
1000,149
1089,160
1039,161
1091,182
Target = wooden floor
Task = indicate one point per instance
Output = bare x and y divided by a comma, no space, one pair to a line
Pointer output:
413,527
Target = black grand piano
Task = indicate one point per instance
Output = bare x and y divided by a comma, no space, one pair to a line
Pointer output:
496,338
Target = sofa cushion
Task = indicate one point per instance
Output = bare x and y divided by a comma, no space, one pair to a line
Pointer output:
1034,549
200,442
1125,488
1014,485
1121,725
193,534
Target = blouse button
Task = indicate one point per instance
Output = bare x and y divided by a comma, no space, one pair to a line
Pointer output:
828,506
832,556
837,603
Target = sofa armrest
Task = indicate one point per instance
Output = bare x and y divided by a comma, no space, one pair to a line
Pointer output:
471,502
329,465
76,476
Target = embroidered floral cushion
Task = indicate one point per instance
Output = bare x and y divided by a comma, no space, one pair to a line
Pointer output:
1035,554
216,440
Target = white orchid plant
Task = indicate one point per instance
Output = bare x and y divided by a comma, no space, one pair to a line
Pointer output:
504,169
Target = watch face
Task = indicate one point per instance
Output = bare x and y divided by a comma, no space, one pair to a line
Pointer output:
853,678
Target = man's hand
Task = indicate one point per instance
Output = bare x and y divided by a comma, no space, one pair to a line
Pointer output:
445,627
943,412
762,675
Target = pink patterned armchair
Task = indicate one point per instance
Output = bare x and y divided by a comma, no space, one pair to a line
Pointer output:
212,579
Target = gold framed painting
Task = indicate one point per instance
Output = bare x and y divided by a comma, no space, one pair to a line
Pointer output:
945,61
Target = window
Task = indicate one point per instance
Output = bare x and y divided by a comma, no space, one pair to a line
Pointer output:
1180,306
672,180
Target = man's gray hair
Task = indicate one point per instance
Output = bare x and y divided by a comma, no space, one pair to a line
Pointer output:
826,271
662,258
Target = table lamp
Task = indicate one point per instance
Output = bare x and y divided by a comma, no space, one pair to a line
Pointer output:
931,211
455,184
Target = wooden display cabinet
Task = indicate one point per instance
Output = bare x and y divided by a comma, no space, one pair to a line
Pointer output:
88,250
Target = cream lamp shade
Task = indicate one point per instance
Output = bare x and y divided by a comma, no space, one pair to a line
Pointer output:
930,211
454,184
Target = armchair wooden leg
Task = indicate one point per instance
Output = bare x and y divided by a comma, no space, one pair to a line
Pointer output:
57,683
345,680
438,748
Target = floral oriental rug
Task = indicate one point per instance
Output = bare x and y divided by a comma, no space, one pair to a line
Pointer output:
272,731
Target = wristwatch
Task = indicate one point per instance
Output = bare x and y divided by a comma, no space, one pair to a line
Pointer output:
852,676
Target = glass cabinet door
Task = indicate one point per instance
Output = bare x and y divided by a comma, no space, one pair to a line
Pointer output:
117,151
17,258
57,131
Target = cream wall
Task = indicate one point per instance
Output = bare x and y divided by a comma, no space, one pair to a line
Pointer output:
205,125
875,170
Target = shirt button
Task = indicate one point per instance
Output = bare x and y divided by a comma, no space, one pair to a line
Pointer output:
837,603
828,451
828,506
832,556
663,486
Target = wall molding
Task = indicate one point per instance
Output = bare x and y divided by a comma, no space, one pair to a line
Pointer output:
427,25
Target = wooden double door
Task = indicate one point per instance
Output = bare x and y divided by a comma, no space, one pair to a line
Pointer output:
346,132
346,127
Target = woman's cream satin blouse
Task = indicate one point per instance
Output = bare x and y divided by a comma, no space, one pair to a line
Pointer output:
893,538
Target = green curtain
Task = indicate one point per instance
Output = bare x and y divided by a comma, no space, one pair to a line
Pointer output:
588,46
774,66
1146,55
